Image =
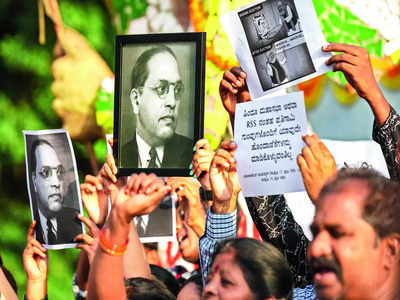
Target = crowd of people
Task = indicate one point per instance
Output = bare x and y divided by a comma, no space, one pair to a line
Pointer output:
354,253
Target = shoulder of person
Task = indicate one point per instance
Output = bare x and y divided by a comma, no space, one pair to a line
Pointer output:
183,141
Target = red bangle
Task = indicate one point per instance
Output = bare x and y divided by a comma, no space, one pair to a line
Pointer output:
110,248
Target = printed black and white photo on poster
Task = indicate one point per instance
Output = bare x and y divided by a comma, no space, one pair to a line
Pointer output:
53,187
276,41
160,224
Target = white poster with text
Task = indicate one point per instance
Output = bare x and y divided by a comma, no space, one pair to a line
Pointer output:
268,132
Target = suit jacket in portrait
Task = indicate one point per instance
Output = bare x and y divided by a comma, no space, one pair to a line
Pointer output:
178,153
160,223
68,227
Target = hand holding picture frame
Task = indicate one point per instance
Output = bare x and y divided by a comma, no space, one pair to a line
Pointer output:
159,102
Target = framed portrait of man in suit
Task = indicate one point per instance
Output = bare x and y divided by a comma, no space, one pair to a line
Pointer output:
53,187
159,102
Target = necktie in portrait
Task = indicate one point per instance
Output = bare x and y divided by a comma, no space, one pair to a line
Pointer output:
153,158
51,234
140,225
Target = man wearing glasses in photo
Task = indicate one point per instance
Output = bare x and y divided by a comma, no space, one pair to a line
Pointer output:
56,224
156,93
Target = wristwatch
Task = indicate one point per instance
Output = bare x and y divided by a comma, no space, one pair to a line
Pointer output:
205,195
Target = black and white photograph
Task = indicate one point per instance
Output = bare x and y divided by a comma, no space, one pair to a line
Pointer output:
53,187
269,22
275,68
159,225
277,43
159,100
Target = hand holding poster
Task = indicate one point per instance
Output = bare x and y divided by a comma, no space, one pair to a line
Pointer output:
277,43
53,187
268,134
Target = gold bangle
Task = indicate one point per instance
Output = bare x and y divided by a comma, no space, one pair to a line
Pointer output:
110,248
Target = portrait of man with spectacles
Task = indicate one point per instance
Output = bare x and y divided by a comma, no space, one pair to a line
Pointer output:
156,94
56,222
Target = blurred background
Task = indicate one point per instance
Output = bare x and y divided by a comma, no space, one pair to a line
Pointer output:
45,84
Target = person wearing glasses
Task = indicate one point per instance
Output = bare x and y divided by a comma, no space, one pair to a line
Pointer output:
56,224
156,93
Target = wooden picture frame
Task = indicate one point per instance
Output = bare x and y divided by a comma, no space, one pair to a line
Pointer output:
159,102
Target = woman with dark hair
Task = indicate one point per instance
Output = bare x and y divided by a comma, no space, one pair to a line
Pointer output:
192,288
165,276
248,269
239,268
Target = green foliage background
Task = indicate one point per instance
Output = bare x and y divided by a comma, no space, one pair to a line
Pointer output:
25,103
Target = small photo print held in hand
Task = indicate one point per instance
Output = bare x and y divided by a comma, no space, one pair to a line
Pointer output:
53,187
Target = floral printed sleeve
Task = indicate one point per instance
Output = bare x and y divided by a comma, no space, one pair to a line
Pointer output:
387,136
276,225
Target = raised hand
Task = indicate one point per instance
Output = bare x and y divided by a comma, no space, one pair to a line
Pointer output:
109,170
233,89
224,179
35,261
108,177
355,64
189,202
140,196
88,242
201,163
94,199
316,164
77,76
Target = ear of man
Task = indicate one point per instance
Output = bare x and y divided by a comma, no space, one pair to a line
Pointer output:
134,95
392,251
34,181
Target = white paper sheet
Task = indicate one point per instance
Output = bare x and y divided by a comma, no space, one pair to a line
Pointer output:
43,189
268,133
277,43
355,154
